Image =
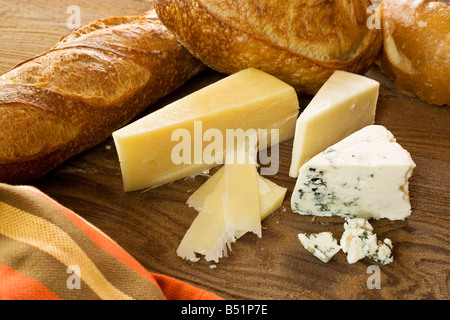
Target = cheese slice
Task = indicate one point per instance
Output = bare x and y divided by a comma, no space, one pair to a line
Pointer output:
241,196
271,195
247,100
364,175
208,234
197,199
229,211
231,208
225,216
344,104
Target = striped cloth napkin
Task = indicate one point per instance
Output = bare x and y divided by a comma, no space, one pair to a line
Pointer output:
49,252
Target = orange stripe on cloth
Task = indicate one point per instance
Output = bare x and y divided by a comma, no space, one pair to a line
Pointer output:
44,268
96,235
18,286
38,232
117,273
178,290
172,288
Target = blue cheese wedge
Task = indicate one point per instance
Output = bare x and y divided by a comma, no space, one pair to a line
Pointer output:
364,175
359,241
322,245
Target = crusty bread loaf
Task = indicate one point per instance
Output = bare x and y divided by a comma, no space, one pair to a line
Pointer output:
92,82
416,47
301,42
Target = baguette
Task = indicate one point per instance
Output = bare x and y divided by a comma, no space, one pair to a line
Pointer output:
92,82
301,42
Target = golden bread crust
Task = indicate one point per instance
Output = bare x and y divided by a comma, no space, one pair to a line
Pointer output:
416,47
92,82
300,42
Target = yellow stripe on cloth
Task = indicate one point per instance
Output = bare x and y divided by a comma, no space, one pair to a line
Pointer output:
35,231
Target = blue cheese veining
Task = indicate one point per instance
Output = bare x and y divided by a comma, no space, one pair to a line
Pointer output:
364,175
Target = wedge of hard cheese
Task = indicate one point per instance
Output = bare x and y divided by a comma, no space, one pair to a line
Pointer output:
211,233
343,105
364,175
249,99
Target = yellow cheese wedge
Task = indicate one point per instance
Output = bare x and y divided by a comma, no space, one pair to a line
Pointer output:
249,99
343,105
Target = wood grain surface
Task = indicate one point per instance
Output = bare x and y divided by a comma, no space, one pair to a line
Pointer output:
150,225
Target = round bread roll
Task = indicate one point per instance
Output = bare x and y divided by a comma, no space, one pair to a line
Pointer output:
301,42
416,47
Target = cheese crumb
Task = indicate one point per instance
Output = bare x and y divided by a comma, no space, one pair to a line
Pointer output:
359,241
322,245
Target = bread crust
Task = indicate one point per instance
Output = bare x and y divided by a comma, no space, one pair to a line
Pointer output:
92,82
300,42
416,48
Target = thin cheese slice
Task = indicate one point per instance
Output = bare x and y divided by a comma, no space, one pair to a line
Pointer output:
271,195
208,234
197,199
225,216
345,103
241,196
249,99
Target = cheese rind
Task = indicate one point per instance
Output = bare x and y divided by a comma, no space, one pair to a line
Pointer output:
344,104
322,245
249,99
364,175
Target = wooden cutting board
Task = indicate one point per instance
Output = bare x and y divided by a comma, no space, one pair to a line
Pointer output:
150,225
